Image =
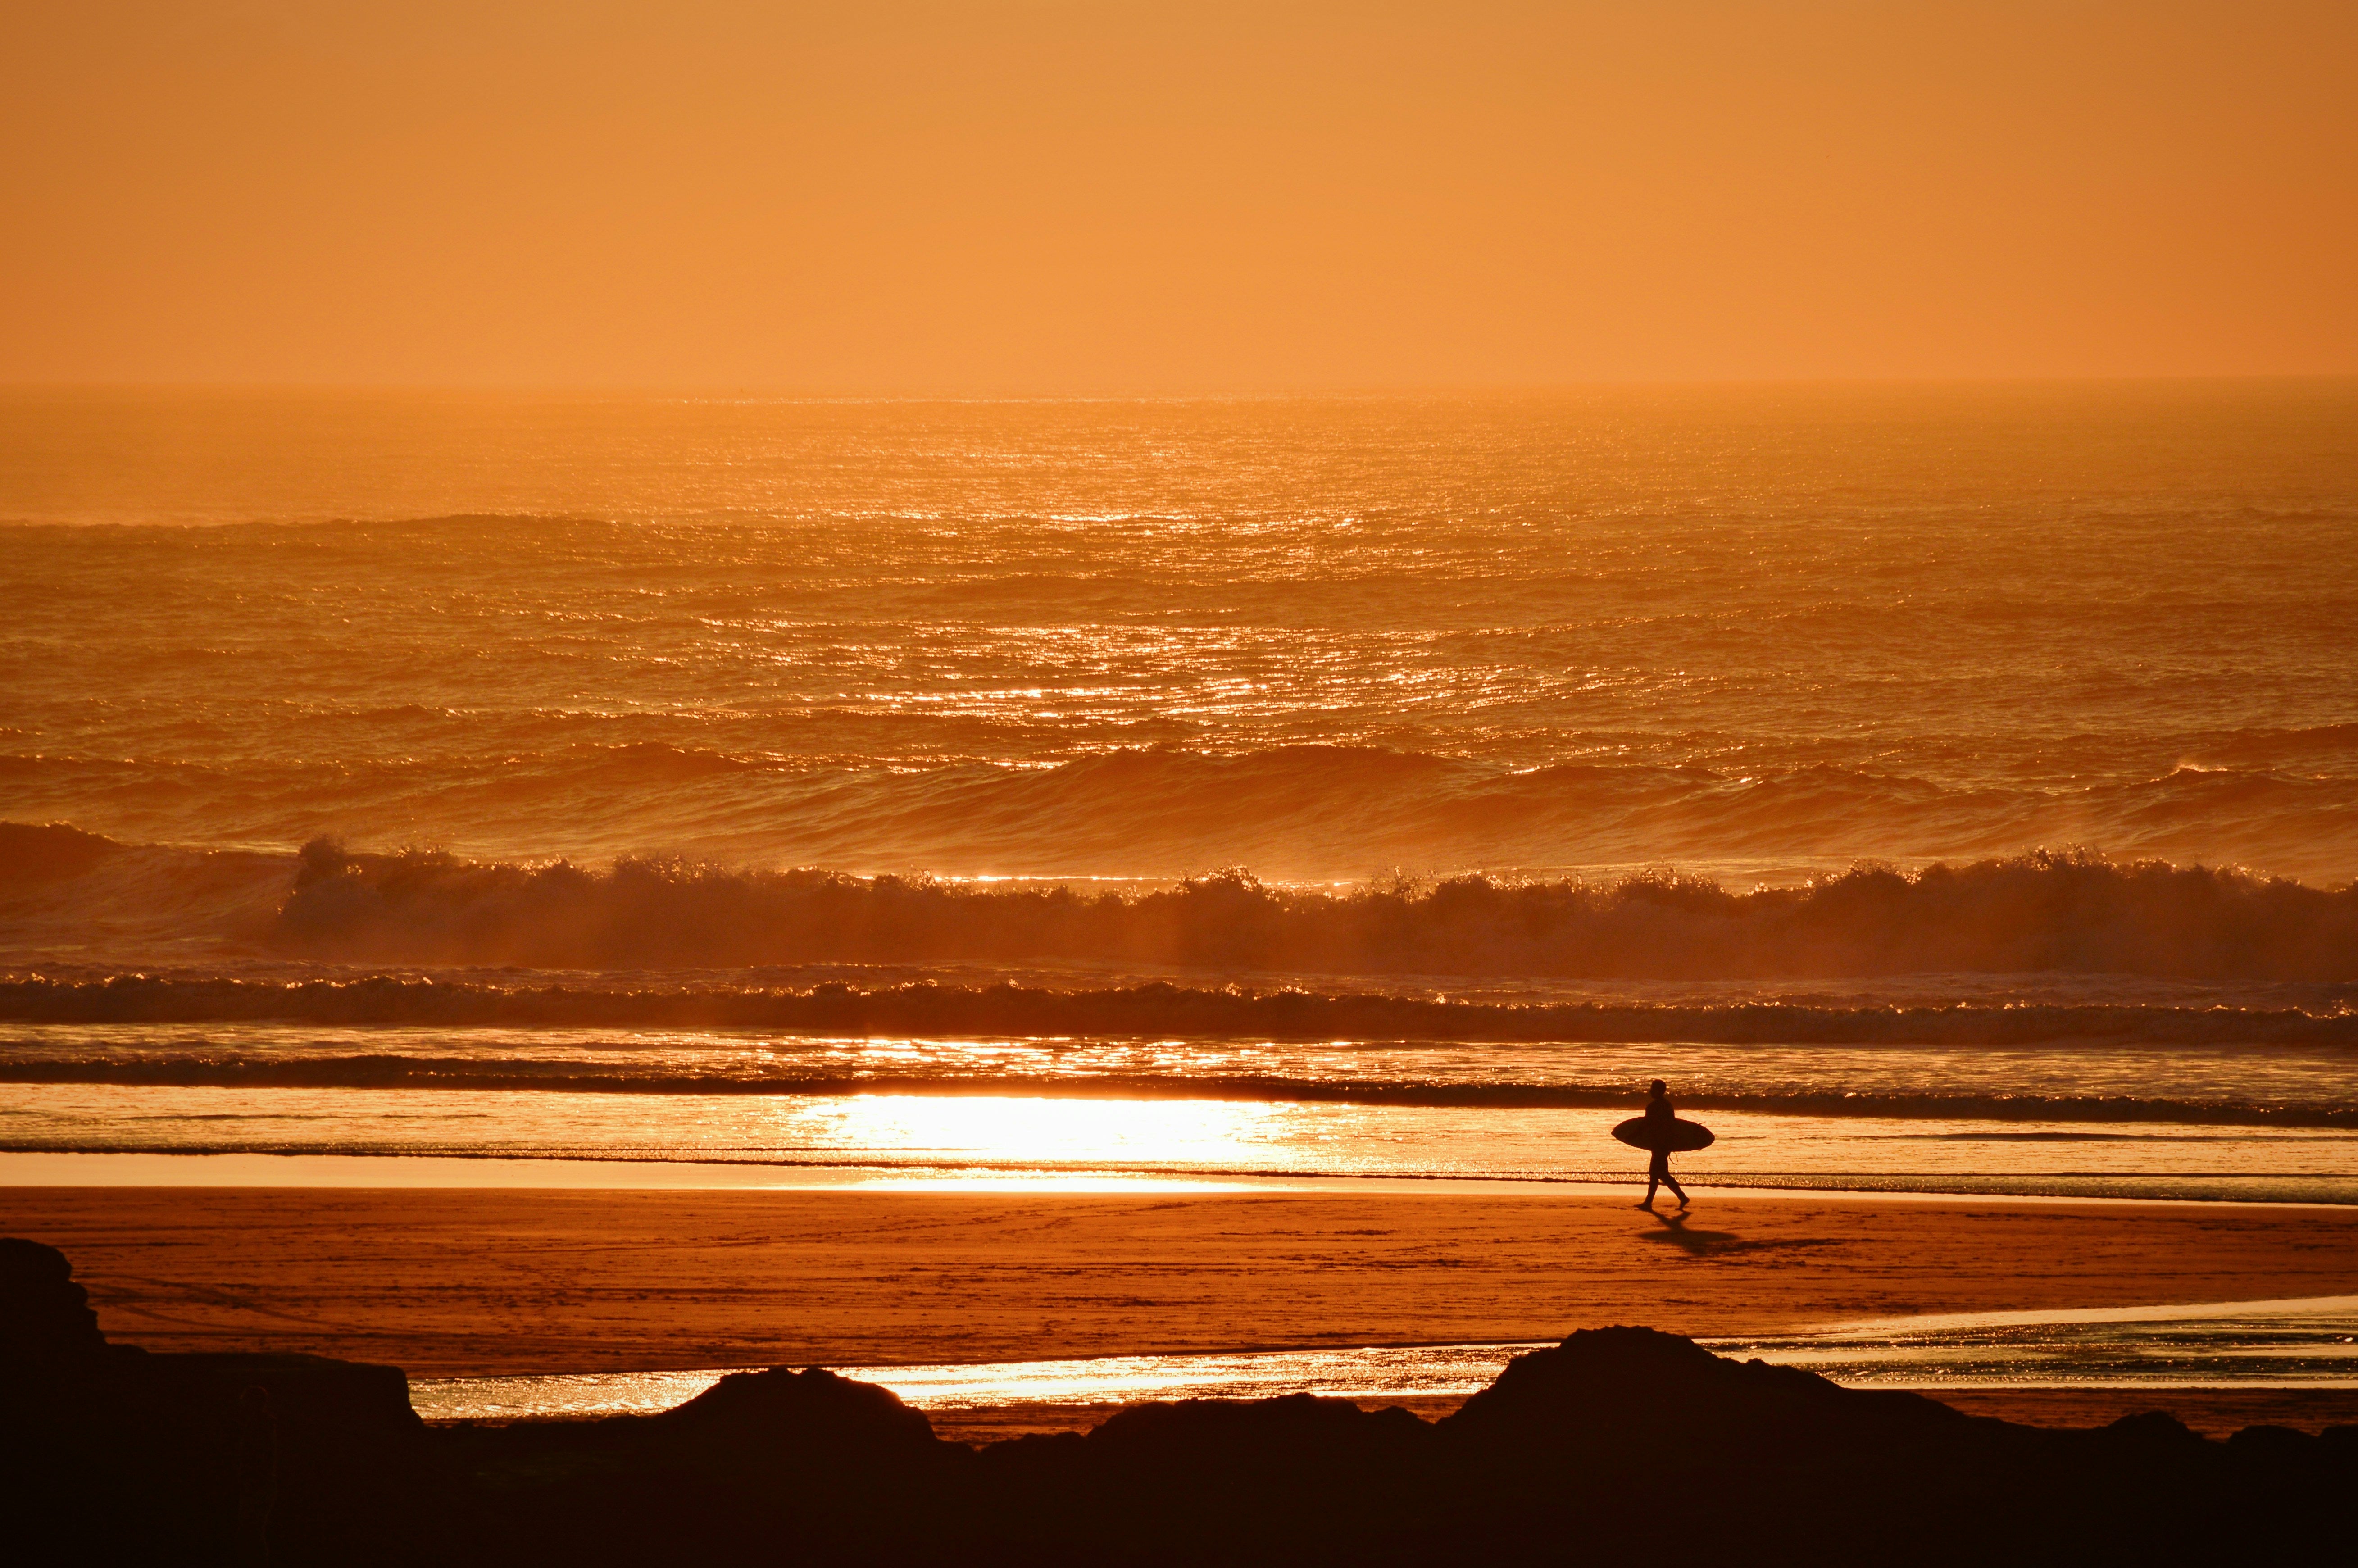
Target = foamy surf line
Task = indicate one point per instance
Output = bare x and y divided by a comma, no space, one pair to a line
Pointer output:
32,1065
2306,1343
1156,1010
2038,912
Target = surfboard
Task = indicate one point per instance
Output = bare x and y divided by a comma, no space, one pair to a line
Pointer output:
1684,1135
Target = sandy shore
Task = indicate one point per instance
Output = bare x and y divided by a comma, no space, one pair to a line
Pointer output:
457,1282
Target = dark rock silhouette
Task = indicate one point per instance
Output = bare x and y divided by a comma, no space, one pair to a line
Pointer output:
1618,1387
44,1317
797,1410
108,1454
1617,1444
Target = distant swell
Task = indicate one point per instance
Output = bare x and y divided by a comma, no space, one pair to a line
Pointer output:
1155,1011
559,784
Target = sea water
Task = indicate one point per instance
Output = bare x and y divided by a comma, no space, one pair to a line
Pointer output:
1944,787
2309,1343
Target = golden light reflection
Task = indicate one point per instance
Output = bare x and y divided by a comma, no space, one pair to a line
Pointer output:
1111,1381
1037,1130
2309,1342
990,1180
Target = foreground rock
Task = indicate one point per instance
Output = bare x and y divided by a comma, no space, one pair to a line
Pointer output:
108,1454
1618,1445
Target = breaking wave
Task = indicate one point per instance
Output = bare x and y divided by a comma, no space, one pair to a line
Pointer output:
2038,913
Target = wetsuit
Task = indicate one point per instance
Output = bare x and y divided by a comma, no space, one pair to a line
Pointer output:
1659,1115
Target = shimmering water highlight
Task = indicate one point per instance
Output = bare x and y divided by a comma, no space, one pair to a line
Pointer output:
2311,1343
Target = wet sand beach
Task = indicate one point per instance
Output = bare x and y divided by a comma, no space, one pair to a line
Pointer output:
487,1282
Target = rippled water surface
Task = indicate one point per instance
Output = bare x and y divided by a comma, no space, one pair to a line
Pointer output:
2308,1343
2112,1119
2114,1080
1746,630
578,700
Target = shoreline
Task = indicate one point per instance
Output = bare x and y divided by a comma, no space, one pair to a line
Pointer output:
382,1171
2237,1364
448,1281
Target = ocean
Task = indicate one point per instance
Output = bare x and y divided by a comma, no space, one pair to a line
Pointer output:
1947,788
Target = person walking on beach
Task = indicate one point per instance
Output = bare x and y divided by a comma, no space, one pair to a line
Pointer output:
1659,1117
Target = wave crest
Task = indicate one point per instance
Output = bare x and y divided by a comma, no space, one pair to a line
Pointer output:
2039,912
67,891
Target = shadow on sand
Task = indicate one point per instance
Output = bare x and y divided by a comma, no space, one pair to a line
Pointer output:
1694,1243
1675,1231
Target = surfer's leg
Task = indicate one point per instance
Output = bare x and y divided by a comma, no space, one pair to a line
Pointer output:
1660,1171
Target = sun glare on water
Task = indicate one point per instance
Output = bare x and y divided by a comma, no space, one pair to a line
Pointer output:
999,1131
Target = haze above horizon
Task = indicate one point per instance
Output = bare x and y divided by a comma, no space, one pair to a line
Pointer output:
985,198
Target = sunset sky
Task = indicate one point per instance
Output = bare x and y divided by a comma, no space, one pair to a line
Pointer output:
978,196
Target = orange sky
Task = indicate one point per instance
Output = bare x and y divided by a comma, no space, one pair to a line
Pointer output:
1144,195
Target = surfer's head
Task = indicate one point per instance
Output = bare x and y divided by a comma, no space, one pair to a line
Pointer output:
1660,1087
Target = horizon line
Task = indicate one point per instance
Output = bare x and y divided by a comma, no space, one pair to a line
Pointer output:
724,392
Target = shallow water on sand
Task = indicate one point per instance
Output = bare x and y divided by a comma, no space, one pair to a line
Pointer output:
935,1139
2311,1343
2188,1121
2226,1081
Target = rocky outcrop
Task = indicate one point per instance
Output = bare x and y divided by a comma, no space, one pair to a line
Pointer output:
1629,1445
783,1409
1618,1444
44,1318
108,1454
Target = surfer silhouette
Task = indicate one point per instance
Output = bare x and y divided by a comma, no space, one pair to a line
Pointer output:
1658,1117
